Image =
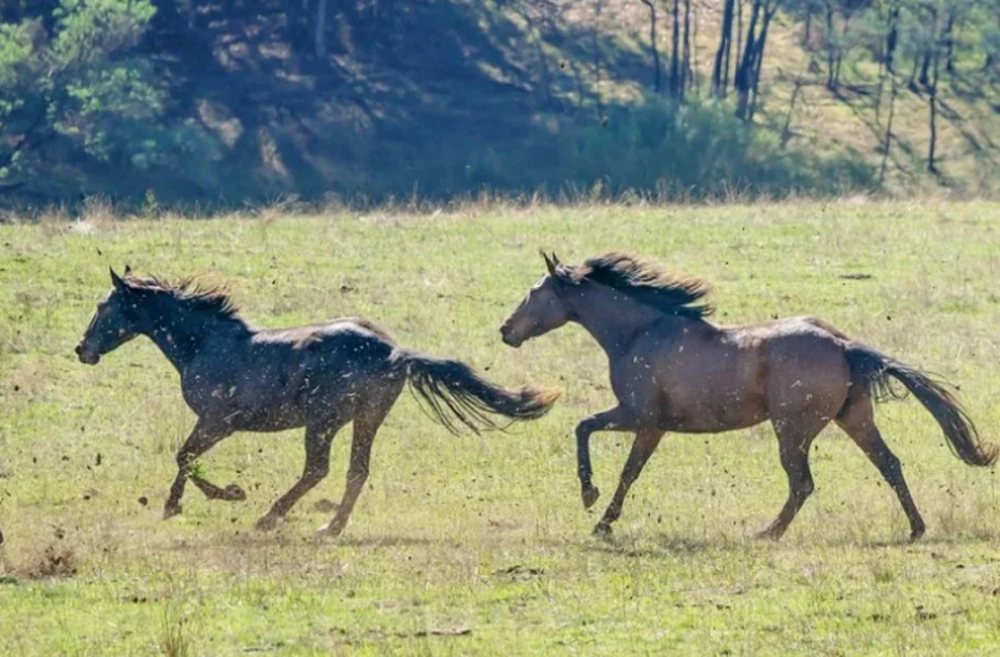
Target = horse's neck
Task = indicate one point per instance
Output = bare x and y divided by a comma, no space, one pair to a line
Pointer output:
612,318
180,334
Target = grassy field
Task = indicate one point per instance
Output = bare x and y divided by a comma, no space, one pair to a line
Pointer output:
479,545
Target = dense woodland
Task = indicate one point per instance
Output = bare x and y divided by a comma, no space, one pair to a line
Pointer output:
229,101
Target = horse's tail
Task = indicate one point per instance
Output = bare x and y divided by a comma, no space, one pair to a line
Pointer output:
453,391
873,370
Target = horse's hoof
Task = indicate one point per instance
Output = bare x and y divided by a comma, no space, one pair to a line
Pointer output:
329,529
769,534
170,511
266,523
233,493
917,533
332,528
602,530
590,495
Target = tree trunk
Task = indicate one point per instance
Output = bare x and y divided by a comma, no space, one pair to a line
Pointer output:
695,80
675,73
949,41
720,70
913,74
831,48
931,161
321,28
598,62
743,81
739,36
892,37
887,142
925,67
759,58
652,40
686,72
786,130
930,52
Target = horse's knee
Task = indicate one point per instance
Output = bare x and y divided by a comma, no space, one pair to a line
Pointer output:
357,475
804,488
317,472
890,466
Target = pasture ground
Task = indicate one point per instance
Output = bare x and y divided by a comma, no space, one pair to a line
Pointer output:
479,545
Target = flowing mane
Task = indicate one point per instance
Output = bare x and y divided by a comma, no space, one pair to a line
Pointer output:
192,294
647,283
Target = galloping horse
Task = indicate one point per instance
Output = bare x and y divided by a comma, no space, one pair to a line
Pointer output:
238,378
672,370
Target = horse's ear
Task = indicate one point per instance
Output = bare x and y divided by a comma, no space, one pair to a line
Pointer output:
555,259
549,263
117,280
128,270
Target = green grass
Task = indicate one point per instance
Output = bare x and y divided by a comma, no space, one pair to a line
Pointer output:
479,545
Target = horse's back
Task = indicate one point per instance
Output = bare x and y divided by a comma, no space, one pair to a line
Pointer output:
284,376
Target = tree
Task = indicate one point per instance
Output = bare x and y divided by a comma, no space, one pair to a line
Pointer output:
676,89
320,28
652,41
720,70
747,79
80,83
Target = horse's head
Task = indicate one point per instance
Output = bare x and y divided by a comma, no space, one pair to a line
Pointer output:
113,324
543,310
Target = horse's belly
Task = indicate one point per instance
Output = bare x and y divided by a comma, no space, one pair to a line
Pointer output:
711,414
278,418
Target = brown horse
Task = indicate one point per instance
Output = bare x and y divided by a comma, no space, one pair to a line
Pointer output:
238,378
672,370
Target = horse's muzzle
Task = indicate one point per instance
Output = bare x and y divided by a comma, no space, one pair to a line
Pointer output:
509,338
86,357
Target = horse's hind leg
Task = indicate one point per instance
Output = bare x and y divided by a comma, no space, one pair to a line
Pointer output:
202,438
794,439
366,424
643,447
318,441
857,419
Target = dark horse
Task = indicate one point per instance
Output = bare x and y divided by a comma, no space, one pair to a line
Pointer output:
672,370
239,378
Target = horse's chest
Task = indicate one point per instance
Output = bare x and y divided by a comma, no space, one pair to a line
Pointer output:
634,380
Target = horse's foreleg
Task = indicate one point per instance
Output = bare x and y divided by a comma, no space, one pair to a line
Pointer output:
231,493
643,447
616,419
202,438
318,442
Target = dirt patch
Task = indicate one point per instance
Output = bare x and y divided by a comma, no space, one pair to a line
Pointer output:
54,563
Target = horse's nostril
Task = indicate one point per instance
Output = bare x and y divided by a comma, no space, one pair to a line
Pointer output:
78,349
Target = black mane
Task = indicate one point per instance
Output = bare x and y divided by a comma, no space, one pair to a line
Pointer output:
647,283
191,294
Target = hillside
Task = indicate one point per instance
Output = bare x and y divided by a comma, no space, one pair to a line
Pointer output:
442,98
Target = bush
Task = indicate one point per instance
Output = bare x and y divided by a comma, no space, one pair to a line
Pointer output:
698,149
84,95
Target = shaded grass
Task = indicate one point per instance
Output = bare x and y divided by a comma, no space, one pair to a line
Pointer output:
479,545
